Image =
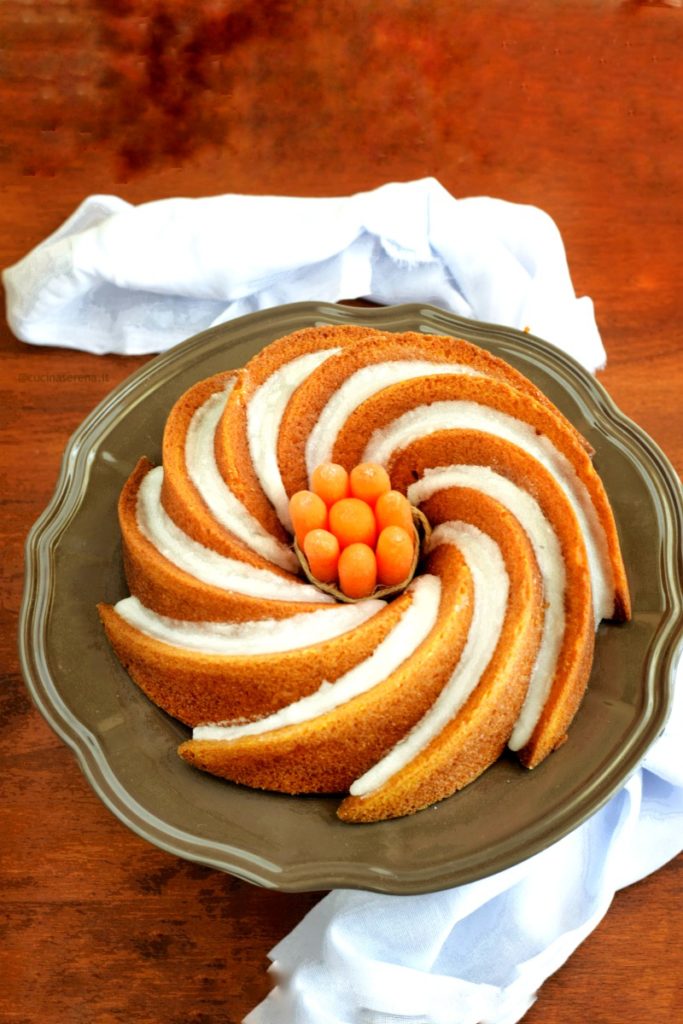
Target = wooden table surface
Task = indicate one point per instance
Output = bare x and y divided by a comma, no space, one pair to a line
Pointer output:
575,107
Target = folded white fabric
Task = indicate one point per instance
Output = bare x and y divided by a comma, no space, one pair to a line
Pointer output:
118,278
135,279
479,953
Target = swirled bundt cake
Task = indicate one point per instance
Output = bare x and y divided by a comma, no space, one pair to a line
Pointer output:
397,702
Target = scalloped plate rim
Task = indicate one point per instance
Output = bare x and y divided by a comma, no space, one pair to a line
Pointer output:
66,499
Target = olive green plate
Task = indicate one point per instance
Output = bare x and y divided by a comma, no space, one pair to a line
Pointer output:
126,746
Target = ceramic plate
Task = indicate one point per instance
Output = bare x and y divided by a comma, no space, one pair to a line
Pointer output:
127,747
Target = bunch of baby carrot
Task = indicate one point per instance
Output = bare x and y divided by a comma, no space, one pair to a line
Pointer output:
355,531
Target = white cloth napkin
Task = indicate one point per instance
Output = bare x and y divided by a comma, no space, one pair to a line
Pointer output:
118,278
479,953
135,279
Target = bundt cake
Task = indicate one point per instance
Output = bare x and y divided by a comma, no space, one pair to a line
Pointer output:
397,702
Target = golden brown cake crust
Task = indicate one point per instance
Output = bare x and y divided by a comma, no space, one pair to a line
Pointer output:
232,442
304,409
197,688
476,736
180,497
168,590
469,447
326,753
385,407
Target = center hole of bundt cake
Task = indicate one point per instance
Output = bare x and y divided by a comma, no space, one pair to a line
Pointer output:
354,536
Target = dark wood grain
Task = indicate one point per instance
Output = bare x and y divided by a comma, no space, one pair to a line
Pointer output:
575,107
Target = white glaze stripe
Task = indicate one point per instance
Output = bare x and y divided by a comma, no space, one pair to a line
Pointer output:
548,552
491,585
264,415
206,565
465,415
412,628
265,636
361,385
203,471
